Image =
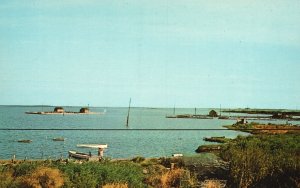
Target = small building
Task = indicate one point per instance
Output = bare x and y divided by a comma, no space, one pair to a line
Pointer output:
241,121
59,110
84,110
281,116
213,113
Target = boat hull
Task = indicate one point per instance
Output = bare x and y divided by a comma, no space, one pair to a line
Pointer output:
78,155
58,139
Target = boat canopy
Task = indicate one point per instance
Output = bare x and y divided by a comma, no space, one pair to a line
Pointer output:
103,146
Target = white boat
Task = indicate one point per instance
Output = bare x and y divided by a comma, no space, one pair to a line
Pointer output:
177,155
89,157
103,146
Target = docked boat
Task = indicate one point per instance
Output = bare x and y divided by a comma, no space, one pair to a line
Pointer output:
25,141
79,155
177,155
89,157
59,139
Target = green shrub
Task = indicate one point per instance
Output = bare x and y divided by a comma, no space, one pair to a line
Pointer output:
167,162
88,174
7,180
257,161
94,174
24,168
138,159
43,177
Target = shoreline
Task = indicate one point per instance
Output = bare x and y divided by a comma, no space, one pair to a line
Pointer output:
268,129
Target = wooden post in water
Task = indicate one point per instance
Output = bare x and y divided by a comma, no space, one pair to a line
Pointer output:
128,113
195,111
174,110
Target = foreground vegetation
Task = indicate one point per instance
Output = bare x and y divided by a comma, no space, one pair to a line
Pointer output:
264,161
58,174
253,161
135,173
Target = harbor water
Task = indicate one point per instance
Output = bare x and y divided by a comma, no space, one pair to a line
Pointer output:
161,138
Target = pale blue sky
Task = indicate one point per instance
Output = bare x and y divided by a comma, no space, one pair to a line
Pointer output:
192,53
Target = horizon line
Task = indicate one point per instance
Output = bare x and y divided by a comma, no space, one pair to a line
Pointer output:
39,105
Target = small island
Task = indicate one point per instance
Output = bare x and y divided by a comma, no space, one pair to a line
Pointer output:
60,111
258,128
218,139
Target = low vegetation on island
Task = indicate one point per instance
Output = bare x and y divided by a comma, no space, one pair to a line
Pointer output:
218,139
257,128
138,172
264,111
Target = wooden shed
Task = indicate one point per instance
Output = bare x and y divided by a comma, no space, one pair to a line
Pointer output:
84,110
213,113
59,110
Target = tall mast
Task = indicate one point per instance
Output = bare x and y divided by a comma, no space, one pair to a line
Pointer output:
128,113
174,110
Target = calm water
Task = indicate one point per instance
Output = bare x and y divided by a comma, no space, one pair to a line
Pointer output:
122,143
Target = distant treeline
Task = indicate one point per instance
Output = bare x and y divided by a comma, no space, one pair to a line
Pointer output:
264,111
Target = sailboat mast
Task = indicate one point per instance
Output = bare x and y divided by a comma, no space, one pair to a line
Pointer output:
128,113
174,110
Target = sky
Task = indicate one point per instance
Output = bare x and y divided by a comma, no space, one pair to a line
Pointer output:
160,53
